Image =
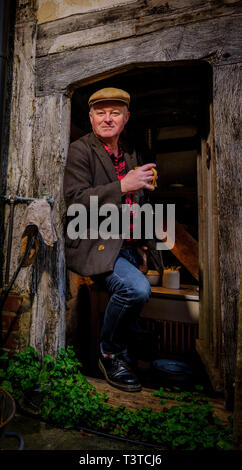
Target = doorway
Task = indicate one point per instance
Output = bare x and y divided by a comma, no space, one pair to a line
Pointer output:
169,118
170,121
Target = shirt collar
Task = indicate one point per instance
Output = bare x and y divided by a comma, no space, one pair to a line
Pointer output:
111,153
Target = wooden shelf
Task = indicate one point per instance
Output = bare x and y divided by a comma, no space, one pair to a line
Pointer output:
186,292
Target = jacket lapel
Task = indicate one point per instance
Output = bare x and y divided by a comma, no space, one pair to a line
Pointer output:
103,157
130,159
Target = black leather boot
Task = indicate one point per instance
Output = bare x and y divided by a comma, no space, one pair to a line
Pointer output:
117,373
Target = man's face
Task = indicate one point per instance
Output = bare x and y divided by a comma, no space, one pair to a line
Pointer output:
108,119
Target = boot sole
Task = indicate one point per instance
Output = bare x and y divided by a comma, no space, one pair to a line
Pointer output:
125,388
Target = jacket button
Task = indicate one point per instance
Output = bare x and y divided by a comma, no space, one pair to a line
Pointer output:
100,247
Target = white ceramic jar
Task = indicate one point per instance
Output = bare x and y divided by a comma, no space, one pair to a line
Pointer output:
171,278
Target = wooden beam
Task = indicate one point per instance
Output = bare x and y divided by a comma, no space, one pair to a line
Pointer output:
213,372
217,41
186,250
124,12
237,421
137,18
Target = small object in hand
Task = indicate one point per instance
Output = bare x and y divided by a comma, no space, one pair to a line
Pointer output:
153,182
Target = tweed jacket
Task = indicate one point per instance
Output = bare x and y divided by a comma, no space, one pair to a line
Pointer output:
89,172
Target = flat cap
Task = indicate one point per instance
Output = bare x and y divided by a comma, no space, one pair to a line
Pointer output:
109,94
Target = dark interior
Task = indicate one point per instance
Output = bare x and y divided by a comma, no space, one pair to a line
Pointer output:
169,115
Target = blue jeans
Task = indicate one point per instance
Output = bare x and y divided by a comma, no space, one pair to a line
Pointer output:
129,291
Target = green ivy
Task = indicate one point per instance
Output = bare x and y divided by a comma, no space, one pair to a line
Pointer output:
69,400
22,372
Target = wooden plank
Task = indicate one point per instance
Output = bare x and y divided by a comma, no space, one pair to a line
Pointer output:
146,398
50,143
202,244
124,12
215,320
133,19
237,415
227,98
19,173
186,250
215,375
186,291
218,41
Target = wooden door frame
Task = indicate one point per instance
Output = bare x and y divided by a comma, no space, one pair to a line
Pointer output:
209,342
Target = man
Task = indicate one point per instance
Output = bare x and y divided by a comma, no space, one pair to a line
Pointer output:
99,164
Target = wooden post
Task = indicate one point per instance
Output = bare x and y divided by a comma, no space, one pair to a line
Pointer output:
50,145
209,343
39,139
19,179
227,81
237,415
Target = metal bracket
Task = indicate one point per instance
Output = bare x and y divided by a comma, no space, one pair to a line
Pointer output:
21,199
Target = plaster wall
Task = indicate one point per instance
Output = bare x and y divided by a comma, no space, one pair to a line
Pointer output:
49,10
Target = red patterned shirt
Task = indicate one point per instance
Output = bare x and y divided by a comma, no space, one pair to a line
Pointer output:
121,171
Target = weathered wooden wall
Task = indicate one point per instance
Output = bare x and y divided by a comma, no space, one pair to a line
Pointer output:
209,344
237,423
227,98
142,39
86,47
137,18
39,138
20,161
50,140
50,10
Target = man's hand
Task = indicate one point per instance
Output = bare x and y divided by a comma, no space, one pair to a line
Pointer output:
138,179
